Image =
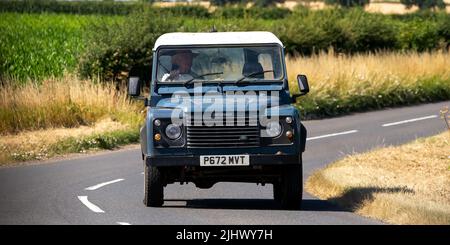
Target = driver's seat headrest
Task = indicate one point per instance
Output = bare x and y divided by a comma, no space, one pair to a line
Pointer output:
254,67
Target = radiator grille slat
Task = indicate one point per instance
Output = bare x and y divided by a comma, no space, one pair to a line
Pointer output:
243,133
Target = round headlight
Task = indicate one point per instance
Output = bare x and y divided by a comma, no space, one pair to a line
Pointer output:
273,129
173,131
157,123
289,120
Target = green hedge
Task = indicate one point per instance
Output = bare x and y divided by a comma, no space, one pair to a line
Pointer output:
112,49
254,12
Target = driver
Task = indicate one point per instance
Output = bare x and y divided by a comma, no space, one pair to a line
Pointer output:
181,66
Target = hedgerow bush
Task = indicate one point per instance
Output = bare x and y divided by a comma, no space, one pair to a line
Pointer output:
114,50
254,12
183,10
348,3
308,32
424,4
443,26
419,35
362,31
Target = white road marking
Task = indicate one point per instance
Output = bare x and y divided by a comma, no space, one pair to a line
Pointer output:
408,121
94,208
123,223
331,135
142,173
95,187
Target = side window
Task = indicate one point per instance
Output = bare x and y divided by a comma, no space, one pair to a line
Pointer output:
266,62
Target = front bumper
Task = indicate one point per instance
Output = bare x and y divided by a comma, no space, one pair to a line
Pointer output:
255,160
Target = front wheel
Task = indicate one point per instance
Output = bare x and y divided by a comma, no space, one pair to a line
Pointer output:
154,189
291,187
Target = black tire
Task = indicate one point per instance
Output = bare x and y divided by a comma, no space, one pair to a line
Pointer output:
292,187
154,189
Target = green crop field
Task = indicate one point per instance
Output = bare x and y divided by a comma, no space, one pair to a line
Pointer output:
37,46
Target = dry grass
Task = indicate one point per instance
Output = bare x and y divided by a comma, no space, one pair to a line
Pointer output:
381,6
354,73
51,135
374,7
393,8
408,184
389,8
309,4
64,116
66,102
205,4
343,83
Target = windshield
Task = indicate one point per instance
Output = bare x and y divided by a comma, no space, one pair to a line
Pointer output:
219,64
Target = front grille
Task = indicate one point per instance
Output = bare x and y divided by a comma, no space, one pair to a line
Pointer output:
243,133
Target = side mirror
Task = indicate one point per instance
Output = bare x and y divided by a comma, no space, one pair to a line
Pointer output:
134,86
303,86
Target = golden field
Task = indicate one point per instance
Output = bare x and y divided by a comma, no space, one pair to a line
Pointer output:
373,7
360,73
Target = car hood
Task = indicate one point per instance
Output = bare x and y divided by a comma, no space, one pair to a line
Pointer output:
220,103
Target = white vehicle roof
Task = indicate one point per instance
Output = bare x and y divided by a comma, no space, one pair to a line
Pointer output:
206,38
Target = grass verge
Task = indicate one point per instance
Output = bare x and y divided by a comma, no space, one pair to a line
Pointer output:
64,116
67,102
48,143
407,184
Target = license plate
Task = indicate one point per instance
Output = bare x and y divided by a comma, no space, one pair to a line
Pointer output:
225,160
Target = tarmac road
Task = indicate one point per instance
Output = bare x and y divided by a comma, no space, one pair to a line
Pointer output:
107,188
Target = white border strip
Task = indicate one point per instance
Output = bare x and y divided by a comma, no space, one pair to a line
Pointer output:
95,187
94,208
331,135
408,121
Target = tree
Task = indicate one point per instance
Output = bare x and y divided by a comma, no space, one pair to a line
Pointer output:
348,3
267,3
424,4
225,2
259,3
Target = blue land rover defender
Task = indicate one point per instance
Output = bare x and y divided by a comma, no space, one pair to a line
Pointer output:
220,110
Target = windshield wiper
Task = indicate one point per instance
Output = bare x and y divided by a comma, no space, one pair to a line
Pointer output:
199,76
252,74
